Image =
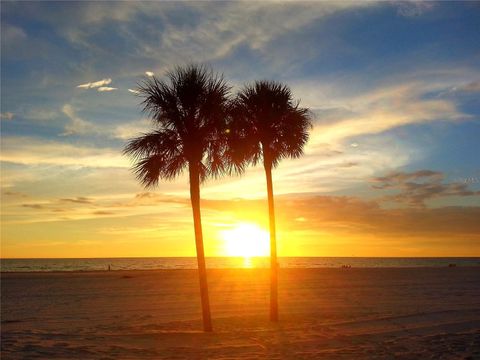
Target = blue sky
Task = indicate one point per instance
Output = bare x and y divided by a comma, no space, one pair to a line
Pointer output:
394,87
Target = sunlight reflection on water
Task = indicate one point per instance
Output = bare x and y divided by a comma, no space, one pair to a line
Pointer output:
247,262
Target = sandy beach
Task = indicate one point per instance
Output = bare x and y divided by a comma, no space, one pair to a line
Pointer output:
386,313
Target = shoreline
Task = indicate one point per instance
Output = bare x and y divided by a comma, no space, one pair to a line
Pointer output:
351,268
241,257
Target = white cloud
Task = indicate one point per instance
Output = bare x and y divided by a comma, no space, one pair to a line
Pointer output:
99,13
31,151
106,88
221,29
6,116
12,34
41,114
413,8
149,73
134,91
374,111
215,33
77,125
134,128
96,84
468,87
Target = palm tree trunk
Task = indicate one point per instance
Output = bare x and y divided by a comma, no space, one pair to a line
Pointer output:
273,246
197,223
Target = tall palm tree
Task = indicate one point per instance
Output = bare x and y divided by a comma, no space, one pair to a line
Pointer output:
268,126
189,112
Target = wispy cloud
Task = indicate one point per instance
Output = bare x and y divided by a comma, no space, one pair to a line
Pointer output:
102,212
473,86
78,200
6,116
34,206
413,8
31,151
82,208
11,36
131,129
106,88
41,114
213,32
390,180
77,125
378,110
16,194
415,188
95,84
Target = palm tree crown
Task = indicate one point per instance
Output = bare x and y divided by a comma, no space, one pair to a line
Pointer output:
189,114
268,124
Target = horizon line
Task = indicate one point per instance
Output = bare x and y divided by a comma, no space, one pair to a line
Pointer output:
241,257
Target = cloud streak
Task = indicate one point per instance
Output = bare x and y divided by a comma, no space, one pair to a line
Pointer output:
77,125
78,200
378,111
95,84
416,188
106,88
468,87
413,8
6,116
30,151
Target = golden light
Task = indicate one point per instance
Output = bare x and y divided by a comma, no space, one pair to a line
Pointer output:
246,240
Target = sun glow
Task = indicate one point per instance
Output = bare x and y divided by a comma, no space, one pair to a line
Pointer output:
246,240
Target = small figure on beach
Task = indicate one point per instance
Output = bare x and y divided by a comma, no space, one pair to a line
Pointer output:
109,267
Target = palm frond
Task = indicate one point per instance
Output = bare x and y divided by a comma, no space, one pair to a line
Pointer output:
159,141
148,170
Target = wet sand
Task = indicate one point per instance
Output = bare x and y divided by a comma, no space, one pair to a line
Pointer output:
385,313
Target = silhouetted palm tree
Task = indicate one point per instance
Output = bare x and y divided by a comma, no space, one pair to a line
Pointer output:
268,126
189,114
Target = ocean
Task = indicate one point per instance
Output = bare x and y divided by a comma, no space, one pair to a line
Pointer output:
102,264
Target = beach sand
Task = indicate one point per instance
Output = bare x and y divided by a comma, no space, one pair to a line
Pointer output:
388,313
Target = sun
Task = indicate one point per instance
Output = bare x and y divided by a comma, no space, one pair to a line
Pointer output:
246,240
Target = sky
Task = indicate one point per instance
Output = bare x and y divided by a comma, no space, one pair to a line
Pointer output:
392,167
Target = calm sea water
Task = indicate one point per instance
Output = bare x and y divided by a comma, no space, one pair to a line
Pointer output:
10,265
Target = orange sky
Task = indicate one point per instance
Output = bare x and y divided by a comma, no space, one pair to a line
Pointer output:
150,224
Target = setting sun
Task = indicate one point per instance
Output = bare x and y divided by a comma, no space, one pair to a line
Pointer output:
246,240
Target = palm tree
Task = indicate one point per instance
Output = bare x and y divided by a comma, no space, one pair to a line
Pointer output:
189,114
268,126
